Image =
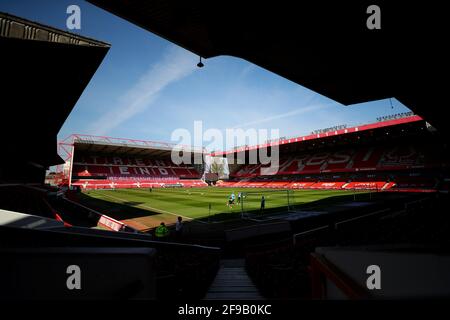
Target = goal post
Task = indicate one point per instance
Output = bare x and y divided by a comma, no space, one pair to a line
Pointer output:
252,202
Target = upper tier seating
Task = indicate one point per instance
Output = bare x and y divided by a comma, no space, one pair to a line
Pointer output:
349,160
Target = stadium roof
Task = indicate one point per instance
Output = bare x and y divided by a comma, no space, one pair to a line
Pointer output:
322,45
133,147
43,73
130,147
313,140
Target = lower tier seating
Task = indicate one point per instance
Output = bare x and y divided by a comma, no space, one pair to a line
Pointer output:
136,183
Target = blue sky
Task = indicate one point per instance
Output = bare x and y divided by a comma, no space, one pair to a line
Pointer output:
147,87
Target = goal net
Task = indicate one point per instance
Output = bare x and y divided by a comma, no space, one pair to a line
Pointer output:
266,201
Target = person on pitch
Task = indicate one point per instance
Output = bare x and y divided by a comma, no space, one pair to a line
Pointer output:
263,204
231,200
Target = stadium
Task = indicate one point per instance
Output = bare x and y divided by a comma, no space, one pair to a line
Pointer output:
338,200
393,157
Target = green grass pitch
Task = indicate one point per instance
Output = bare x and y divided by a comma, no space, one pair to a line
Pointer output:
143,209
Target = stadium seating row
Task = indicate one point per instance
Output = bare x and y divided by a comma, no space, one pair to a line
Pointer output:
122,161
348,160
128,167
133,171
137,183
402,183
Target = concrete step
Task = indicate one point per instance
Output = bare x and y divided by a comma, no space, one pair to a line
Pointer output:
233,283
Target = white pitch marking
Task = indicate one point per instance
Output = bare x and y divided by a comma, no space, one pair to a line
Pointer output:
155,209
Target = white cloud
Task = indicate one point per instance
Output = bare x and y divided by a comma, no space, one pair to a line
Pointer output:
246,71
176,64
303,110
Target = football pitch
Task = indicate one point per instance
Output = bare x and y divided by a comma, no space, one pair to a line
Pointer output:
144,209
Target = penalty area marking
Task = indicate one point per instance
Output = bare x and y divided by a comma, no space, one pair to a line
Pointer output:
154,209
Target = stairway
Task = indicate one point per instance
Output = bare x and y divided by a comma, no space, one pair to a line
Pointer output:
232,283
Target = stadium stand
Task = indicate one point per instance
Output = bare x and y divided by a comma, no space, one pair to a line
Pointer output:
117,168
270,264
387,157
165,271
109,163
381,158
